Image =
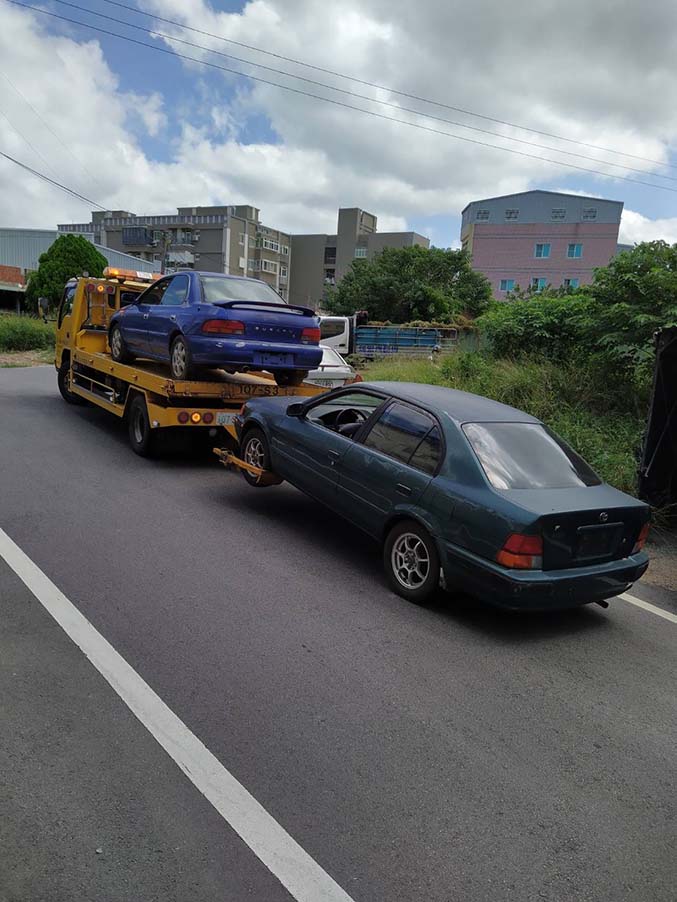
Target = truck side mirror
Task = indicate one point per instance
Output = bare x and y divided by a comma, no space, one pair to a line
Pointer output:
296,410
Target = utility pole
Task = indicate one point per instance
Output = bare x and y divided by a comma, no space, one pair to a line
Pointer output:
166,242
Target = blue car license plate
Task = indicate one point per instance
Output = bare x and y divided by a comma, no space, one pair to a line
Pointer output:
274,359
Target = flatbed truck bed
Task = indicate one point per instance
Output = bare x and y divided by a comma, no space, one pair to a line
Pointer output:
143,392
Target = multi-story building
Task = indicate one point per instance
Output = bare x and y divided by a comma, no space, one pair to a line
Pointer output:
540,238
322,260
228,239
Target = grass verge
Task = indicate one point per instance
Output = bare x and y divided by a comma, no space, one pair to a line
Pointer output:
23,333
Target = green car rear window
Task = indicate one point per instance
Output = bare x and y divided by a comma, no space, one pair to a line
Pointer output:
527,456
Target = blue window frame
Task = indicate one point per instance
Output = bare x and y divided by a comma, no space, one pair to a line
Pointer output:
542,250
507,284
571,283
574,251
538,283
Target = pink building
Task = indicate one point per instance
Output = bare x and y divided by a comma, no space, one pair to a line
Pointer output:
540,238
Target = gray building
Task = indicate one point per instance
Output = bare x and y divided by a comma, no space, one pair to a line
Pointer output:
228,239
322,260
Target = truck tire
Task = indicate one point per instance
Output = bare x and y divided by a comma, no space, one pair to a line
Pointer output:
118,348
412,562
142,438
290,377
63,379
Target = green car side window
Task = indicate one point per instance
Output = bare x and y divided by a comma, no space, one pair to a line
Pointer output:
408,435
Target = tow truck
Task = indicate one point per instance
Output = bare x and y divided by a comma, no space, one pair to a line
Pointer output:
143,393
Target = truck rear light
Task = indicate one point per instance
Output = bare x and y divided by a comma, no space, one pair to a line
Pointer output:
310,336
223,327
207,417
521,552
183,417
641,538
195,417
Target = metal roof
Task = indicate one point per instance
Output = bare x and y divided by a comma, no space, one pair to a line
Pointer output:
23,247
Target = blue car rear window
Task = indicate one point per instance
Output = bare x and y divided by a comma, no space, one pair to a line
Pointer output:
217,289
527,456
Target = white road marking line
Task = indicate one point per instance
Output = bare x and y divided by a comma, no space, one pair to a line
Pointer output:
659,612
300,874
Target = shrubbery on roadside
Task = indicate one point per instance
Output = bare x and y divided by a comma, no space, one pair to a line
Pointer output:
23,333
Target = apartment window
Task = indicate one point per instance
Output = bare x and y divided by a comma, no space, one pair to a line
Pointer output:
589,214
482,215
283,271
574,251
542,250
252,265
558,214
241,237
507,284
285,249
512,213
538,283
271,245
269,266
570,283
360,252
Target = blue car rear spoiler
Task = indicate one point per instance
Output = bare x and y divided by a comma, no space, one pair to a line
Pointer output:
261,305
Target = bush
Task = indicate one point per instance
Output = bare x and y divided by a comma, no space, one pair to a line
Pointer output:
22,333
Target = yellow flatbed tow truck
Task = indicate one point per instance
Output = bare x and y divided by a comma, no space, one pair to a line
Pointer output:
143,393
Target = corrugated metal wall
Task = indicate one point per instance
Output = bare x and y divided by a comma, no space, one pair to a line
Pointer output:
22,247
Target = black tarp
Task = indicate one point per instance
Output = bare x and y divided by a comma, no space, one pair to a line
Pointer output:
658,468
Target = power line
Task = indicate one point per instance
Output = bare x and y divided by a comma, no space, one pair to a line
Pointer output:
26,141
390,90
395,106
342,104
46,178
51,130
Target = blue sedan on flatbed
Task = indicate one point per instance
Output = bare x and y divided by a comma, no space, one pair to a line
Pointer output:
201,319
459,489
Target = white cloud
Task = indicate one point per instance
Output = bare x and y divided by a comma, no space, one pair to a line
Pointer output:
636,228
325,156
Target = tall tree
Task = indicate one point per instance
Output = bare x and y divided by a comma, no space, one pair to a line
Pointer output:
411,283
68,256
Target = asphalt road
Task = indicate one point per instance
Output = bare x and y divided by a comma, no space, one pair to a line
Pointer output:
453,753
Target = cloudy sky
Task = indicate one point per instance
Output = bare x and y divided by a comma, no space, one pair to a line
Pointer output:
138,129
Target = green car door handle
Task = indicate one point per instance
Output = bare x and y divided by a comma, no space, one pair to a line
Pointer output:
333,456
403,489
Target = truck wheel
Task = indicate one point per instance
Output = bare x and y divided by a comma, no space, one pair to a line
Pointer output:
290,377
179,359
64,382
254,450
118,348
142,438
411,562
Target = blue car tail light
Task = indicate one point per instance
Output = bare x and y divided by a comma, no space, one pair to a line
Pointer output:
223,327
310,336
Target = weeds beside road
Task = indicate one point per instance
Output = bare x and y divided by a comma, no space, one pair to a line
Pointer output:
25,333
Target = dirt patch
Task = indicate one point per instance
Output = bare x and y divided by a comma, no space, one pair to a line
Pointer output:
663,556
26,358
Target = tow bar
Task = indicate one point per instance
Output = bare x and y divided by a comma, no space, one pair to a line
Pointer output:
232,462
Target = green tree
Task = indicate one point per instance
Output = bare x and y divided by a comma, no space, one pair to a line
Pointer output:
635,295
69,256
411,283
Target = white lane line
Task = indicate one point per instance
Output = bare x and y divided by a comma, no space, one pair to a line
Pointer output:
659,612
300,874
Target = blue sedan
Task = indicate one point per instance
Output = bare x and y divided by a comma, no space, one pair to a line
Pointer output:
460,490
200,319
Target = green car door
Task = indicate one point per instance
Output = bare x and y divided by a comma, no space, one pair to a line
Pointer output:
308,450
390,467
